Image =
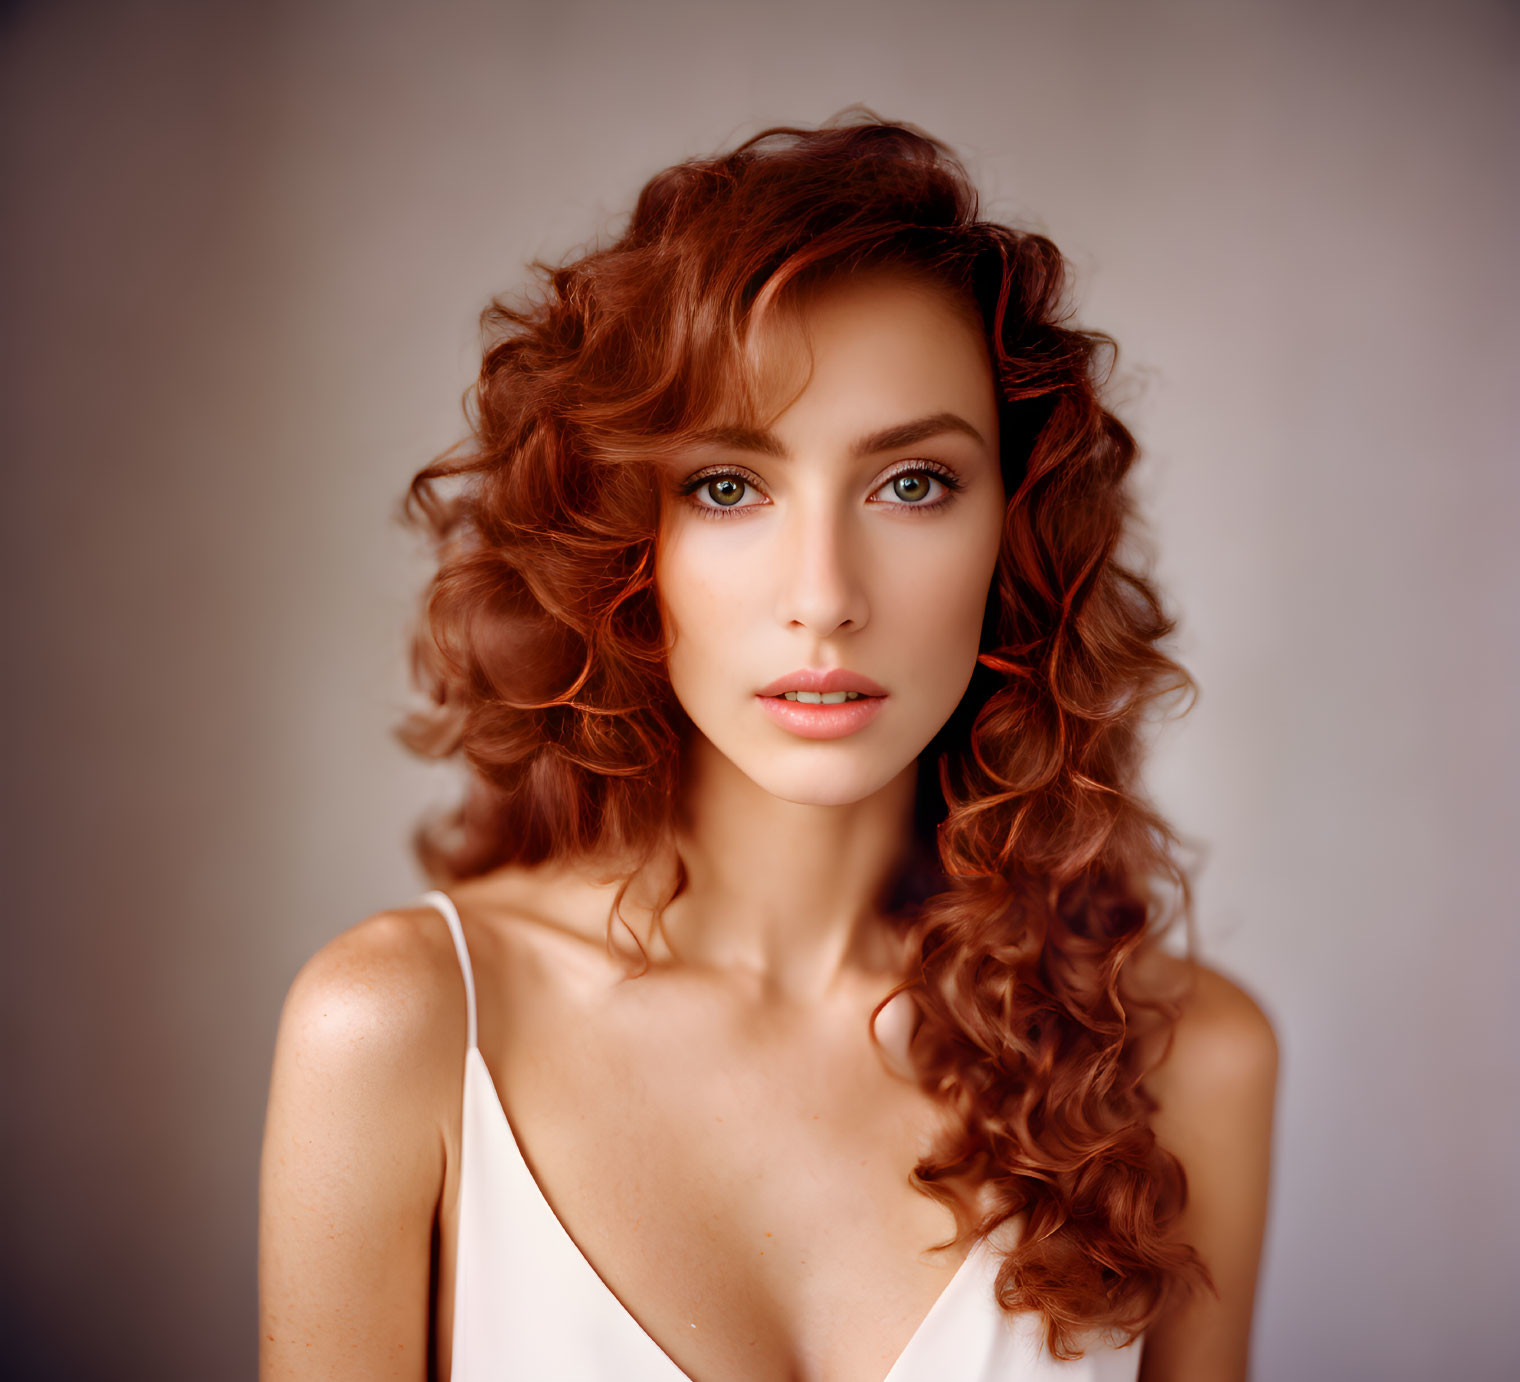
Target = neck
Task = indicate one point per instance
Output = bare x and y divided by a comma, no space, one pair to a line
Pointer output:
782,895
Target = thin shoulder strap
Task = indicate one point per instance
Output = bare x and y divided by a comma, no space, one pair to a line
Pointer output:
445,904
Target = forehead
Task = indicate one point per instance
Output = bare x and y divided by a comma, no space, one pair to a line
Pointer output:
869,348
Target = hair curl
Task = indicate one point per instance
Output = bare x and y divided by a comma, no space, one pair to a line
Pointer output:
1042,863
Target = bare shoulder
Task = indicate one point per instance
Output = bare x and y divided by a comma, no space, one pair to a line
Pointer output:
1222,1040
383,996
367,1076
370,1048
1215,1090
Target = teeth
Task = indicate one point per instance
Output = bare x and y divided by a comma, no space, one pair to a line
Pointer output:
821,697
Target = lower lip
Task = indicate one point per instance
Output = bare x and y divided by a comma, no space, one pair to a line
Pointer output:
822,721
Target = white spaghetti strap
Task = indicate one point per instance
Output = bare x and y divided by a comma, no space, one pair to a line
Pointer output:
445,904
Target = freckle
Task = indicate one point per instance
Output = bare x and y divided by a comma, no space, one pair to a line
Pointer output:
770,1235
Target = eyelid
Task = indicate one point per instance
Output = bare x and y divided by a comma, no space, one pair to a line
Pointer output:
694,482
936,468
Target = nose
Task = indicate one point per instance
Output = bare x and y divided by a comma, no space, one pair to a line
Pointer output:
821,582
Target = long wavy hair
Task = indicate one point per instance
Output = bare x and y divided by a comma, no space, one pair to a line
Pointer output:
1042,868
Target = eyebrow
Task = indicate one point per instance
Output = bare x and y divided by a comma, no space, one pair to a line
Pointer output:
767,443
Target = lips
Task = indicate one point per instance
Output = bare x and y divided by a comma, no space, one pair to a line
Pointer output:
823,721
818,680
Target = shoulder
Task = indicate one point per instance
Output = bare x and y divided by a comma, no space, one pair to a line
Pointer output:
1223,1037
364,1094
1222,1046
364,1101
1214,1087
387,987
1214,1092
372,1031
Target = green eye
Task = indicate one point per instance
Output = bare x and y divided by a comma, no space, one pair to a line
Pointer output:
912,485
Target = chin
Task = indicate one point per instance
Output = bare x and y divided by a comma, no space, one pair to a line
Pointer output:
821,779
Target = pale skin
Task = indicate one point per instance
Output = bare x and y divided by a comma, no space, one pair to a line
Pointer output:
756,1218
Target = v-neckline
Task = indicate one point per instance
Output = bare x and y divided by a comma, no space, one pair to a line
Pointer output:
904,1357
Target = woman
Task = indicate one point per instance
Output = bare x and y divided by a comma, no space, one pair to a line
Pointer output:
801,915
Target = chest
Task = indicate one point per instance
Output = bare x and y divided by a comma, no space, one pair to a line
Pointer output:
737,1177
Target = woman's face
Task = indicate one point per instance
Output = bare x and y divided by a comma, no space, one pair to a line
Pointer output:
851,541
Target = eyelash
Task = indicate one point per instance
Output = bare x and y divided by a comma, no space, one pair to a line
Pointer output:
689,487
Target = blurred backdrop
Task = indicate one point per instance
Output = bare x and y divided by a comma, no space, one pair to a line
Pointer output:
244,250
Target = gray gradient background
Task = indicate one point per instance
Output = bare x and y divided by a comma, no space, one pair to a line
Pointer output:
244,252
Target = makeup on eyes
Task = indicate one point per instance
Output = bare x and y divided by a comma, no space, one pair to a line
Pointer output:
946,477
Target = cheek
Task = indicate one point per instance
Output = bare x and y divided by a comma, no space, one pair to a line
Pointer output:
703,597
935,604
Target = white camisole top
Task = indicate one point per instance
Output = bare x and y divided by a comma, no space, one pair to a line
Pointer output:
529,1306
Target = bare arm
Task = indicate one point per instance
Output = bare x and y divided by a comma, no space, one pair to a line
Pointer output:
1216,1089
353,1159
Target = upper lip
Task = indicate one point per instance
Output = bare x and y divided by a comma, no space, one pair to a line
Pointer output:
815,679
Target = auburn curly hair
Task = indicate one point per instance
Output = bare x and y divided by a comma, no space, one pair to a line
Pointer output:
1042,869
